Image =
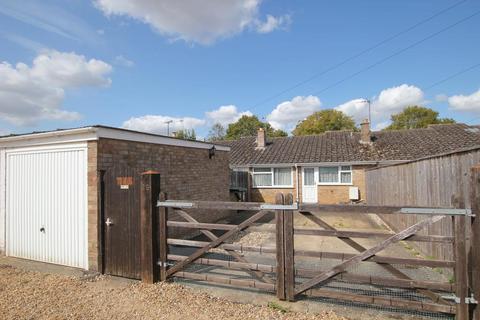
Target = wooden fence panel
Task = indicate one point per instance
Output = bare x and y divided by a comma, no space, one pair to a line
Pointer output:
426,183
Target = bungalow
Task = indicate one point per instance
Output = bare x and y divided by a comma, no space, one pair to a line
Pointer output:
330,168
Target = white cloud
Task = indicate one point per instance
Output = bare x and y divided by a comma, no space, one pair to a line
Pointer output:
388,102
157,123
470,103
122,61
356,108
225,115
288,113
192,20
273,23
30,94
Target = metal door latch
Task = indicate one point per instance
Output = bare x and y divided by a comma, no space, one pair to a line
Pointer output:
166,264
108,222
468,300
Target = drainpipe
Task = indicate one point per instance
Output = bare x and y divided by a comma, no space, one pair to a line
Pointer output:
298,187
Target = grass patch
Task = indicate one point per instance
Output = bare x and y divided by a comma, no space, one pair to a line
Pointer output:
277,307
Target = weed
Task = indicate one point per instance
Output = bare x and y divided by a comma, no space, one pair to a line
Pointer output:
275,306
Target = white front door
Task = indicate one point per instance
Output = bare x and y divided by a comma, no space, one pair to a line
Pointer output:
309,187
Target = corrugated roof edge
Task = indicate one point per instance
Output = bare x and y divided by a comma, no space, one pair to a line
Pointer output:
446,154
72,131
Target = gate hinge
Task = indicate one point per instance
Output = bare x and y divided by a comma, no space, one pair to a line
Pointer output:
165,264
468,300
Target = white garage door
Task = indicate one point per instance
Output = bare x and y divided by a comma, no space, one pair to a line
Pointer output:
46,205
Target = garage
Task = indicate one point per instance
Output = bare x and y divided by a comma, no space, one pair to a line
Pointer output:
72,197
46,202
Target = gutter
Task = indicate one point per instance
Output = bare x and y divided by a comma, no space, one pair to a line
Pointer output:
298,180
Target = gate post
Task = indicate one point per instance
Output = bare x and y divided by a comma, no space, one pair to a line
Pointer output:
289,250
475,238
461,262
150,190
279,217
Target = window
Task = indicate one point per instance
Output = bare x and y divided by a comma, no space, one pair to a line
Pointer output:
272,177
335,175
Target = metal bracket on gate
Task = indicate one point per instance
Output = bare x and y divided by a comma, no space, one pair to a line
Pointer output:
268,206
468,300
440,211
166,264
174,204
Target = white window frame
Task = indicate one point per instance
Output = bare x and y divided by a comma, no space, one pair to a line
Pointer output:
272,186
340,171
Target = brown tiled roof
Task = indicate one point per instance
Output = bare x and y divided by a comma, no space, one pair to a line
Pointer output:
345,146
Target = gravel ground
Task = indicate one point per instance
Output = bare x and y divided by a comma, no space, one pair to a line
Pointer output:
34,295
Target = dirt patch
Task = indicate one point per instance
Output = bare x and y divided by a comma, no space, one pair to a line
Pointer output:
35,295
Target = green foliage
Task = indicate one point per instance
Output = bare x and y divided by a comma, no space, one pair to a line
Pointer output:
216,133
414,117
247,126
275,306
186,134
325,120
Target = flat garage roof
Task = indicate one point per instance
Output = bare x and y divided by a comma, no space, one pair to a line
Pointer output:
96,132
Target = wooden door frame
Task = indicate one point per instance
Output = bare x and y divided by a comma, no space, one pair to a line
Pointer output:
101,220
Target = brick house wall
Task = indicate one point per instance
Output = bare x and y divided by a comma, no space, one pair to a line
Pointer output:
334,194
186,174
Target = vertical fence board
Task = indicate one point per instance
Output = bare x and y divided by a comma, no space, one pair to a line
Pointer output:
475,239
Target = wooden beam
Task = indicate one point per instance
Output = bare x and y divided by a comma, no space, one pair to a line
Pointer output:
224,205
200,225
360,208
367,253
235,255
280,250
225,280
289,250
461,266
475,238
163,236
382,281
228,264
150,189
268,227
391,269
197,254
320,254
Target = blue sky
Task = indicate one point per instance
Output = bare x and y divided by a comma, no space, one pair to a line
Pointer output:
140,63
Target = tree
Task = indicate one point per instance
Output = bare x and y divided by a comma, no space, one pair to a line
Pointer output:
325,120
216,133
186,134
414,117
247,126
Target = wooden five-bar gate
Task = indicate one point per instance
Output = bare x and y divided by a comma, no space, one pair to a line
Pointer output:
291,271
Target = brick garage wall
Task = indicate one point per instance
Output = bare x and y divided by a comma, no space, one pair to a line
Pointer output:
186,174
93,246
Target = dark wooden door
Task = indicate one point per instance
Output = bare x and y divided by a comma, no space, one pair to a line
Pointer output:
121,222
